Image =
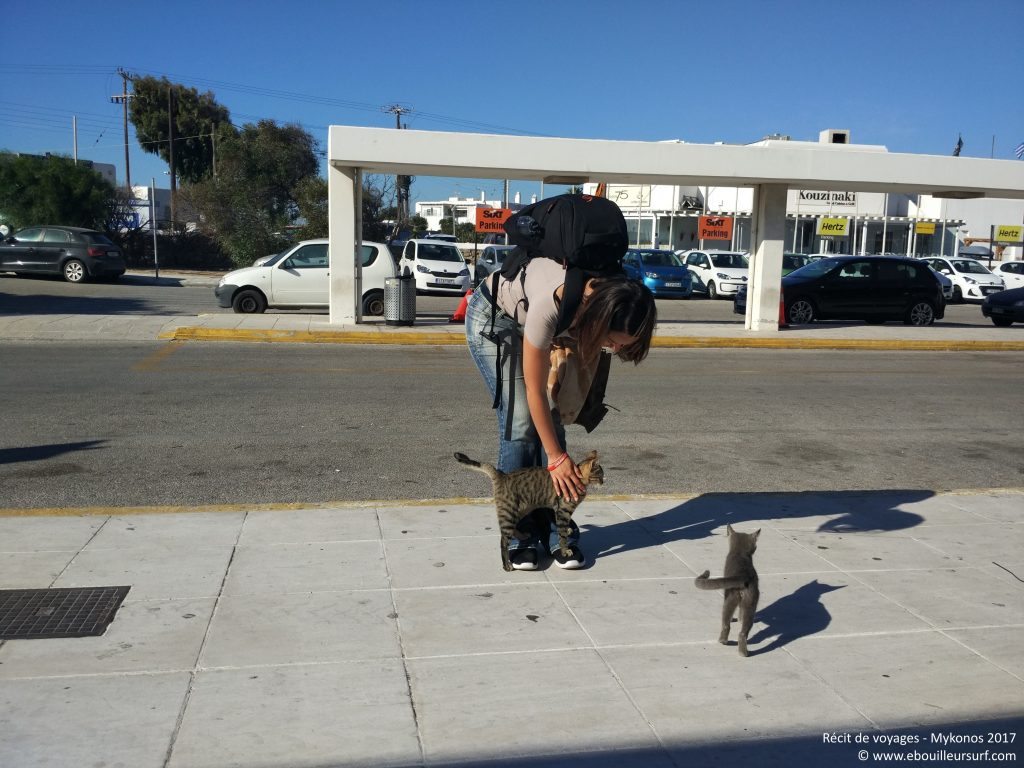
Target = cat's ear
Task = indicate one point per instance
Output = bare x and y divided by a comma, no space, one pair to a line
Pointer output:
592,456
757,533
729,530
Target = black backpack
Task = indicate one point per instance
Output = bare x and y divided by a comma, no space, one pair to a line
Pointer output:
586,234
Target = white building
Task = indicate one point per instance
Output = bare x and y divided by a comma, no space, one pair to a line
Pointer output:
667,217
462,208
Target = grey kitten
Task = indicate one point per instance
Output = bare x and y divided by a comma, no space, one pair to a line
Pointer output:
740,584
518,493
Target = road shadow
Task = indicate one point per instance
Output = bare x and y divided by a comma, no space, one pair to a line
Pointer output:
789,618
39,304
43,452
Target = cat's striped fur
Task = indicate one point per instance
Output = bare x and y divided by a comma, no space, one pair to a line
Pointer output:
518,493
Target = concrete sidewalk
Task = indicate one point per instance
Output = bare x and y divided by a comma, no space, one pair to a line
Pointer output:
388,635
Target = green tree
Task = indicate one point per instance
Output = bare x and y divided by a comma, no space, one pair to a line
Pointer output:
53,190
265,173
200,125
311,198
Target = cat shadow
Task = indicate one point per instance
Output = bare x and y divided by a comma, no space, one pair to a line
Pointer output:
789,618
698,518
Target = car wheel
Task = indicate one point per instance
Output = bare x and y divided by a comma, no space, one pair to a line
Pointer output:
74,271
958,295
373,303
800,312
1002,322
920,313
712,291
249,302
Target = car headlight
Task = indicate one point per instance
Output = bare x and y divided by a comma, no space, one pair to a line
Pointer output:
464,272
421,268
970,281
722,276
651,275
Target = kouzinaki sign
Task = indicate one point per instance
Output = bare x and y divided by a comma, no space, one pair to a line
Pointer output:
835,199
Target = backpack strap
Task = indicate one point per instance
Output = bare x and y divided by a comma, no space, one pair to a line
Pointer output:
572,297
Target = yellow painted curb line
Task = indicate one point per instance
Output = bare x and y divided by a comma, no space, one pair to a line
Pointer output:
459,500
664,342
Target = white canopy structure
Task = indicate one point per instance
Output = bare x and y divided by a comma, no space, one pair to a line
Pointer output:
771,168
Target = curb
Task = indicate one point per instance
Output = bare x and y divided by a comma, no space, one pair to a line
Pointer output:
195,333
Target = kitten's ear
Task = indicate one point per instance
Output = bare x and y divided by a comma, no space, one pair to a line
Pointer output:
592,456
729,530
757,533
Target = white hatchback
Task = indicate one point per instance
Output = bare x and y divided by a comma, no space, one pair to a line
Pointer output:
1012,273
438,267
299,278
716,273
971,280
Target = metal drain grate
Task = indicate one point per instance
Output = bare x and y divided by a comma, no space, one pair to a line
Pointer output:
35,614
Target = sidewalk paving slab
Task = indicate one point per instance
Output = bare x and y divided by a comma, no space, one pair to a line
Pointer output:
389,635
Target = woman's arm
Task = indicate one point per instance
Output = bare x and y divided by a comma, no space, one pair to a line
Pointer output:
536,366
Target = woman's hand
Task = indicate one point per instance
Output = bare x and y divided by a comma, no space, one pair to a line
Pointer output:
566,477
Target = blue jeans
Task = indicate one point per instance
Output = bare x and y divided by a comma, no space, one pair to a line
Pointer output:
523,448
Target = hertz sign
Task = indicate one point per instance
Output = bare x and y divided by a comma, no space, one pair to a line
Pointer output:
491,219
833,227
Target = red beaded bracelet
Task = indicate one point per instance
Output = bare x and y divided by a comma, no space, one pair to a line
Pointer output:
555,464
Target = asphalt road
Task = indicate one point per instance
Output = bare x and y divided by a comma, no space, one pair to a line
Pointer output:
169,423
139,296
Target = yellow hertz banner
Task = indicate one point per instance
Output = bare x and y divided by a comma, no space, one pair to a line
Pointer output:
925,227
1009,233
833,227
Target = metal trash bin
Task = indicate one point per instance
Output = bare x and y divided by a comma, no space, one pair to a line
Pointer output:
400,300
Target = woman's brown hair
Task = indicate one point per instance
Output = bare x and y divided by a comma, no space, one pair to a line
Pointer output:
621,305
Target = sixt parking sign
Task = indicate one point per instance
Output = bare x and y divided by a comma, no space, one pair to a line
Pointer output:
714,227
491,219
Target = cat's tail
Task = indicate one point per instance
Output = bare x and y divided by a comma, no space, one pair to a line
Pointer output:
703,582
487,469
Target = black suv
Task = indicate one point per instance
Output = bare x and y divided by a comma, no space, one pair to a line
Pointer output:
869,288
76,254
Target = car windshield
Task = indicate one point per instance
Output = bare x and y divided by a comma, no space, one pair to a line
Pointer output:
660,259
274,259
734,260
815,268
794,260
438,252
969,266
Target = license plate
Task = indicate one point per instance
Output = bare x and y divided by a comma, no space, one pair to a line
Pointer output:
990,289
673,285
445,281
999,310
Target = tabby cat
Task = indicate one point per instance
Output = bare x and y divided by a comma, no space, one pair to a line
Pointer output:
518,493
740,584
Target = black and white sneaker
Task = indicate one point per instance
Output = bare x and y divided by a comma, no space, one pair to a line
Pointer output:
576,558
523,559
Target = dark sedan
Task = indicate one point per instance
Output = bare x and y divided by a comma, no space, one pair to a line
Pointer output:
74,253
869,288
1004,308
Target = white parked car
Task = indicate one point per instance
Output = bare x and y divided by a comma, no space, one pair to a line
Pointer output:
971,280
1012,273
716,273
438,267
299,278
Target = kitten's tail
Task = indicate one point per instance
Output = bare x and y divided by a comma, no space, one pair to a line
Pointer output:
487,469
703,582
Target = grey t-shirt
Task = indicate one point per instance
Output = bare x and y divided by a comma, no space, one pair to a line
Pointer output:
543,277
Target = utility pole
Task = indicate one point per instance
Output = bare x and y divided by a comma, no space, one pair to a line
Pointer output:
170,132
122,98
401,182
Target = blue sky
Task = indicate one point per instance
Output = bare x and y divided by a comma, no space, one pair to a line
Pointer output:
908,74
